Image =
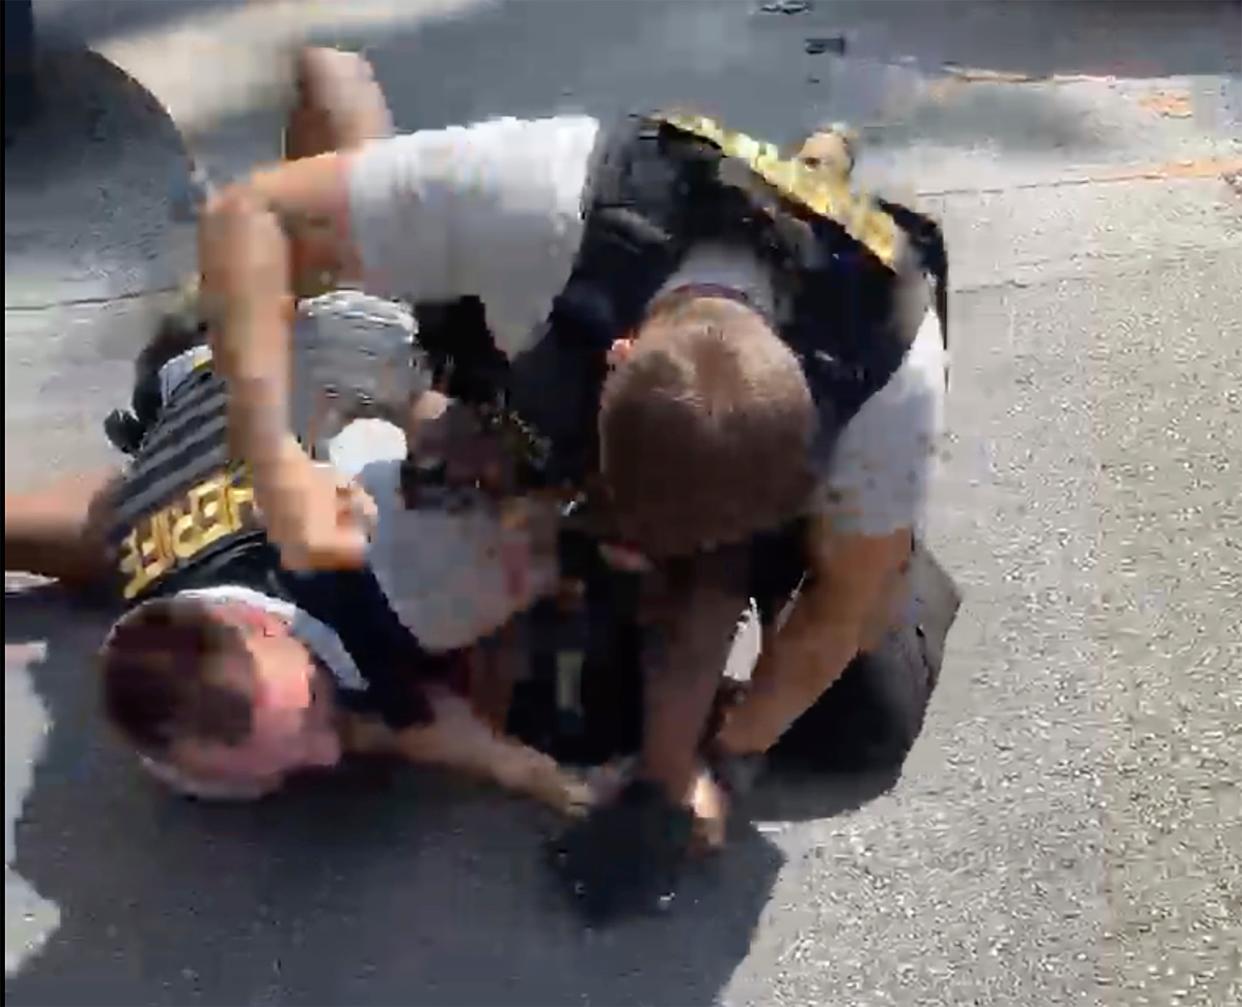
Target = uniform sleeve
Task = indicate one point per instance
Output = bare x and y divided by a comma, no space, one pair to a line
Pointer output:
492,210
880,473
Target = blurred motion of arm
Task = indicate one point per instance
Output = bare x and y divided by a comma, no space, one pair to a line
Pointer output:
700,602
313,519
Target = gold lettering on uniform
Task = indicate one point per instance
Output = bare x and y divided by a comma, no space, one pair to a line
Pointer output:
240,496
826,193
210,506
162,536
146,557
215,508
131,566
184,532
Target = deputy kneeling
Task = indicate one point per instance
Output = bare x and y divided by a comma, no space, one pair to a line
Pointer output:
739,356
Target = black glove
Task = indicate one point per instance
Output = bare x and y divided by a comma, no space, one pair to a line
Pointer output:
625,858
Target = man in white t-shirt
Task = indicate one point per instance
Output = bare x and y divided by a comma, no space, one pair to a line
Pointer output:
741,391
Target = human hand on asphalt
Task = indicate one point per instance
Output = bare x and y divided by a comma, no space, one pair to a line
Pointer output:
626,856
706,798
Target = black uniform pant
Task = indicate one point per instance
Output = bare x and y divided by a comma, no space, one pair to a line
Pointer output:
868,719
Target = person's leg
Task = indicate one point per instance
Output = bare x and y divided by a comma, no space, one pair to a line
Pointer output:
60,530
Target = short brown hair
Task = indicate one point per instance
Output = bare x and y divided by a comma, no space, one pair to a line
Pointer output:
705,430
172,670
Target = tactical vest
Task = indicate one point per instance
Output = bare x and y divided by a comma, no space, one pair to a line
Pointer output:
851,272
185,517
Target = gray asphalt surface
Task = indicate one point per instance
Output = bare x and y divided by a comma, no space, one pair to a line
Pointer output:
1067,829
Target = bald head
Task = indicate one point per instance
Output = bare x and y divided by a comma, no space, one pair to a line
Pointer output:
705,428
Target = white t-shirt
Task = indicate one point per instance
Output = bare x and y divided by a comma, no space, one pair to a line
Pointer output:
495,210
451,578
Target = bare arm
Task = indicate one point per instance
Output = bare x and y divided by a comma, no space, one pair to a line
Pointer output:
702,604
60,531
853,578
316,519
311,199
461,741
309,515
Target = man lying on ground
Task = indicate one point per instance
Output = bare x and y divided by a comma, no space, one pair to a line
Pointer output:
230,671
227,671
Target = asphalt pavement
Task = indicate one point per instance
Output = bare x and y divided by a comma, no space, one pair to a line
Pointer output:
1067,829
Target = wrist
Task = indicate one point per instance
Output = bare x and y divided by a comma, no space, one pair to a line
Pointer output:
731,740
259,396
733,771
673,780
729,734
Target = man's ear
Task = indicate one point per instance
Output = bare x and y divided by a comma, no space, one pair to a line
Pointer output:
620,351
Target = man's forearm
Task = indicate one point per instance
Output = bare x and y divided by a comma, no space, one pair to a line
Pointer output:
676,702
258,410
852,580
311,198
680,683
283,473
60,531
807,655
459,740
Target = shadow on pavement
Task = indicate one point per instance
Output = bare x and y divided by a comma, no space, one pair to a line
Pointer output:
360,888
788,796
87,187
93,121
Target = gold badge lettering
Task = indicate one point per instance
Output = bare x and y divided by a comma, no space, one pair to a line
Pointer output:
215,508
210,506
183,532
147,557
131,567
242,508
